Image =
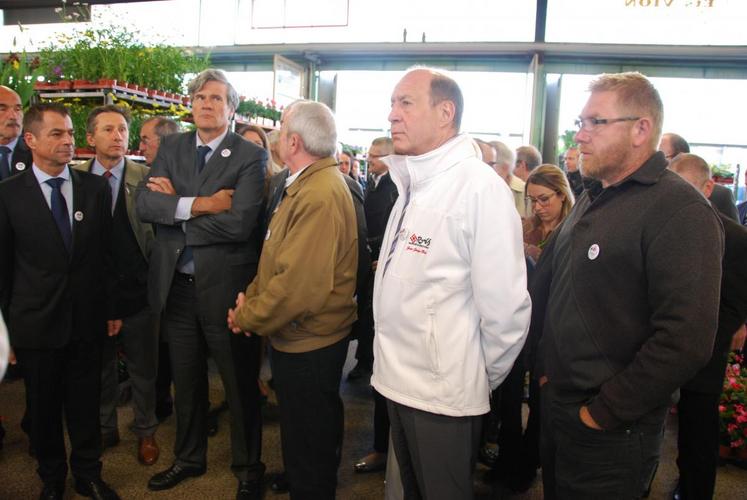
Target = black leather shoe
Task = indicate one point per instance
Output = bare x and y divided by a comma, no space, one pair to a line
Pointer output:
280,484
52,491
172,476
373,462
95,488
249,490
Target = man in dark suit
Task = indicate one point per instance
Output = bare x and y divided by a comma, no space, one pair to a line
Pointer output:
698,430
15,156
107,131
721,197
55,255
381,193
205,195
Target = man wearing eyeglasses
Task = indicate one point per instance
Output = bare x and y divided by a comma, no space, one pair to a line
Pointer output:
632,307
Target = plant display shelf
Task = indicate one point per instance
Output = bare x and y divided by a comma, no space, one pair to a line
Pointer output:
123,93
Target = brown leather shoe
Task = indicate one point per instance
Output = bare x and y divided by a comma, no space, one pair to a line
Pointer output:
148,450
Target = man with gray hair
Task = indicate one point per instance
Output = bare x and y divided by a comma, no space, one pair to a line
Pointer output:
505,159
450,302
302,299
204,196
527,159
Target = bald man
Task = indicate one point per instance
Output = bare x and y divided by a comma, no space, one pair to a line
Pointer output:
698,430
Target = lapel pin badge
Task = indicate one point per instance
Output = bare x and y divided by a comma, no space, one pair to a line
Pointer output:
593,252
20,166
78,216
225,153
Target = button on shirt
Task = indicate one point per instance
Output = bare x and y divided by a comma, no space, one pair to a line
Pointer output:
115,181
66,188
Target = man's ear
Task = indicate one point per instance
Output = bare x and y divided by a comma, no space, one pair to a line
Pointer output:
708,188
446,112
641,131
30,140
89,139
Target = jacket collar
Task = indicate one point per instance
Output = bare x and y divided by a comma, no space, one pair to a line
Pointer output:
409,172
308,172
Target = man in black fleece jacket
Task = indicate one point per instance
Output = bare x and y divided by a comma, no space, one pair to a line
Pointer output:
633,300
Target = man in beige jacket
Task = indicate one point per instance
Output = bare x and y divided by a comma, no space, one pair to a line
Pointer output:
302,298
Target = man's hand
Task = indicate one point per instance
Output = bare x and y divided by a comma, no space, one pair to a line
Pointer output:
542,380
215,204
737,341
587,419
240,299
160,185
374,265
113,326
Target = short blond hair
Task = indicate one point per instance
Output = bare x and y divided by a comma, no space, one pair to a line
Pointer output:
635,93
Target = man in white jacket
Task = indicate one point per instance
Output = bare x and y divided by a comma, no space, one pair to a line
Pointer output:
450,297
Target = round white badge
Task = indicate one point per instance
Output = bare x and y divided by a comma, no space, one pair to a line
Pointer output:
78,216
593,251
225,153
20,166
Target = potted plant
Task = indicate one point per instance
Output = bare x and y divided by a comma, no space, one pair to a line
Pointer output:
20,74
733,408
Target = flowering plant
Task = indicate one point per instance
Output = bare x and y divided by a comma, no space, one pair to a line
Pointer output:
20,74
255,108
733,404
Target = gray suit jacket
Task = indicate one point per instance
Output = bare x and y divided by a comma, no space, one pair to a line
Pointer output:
134,174
225,246
723,199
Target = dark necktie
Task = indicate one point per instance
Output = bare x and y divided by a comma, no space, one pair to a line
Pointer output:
4,162
202,152
59,212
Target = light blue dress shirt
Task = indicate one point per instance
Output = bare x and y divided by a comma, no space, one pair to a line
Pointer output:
66,188
115,181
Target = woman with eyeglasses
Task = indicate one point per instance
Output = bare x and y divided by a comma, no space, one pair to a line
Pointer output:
549,200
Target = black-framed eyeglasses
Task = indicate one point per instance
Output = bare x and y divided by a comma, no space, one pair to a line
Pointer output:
542,200
592,123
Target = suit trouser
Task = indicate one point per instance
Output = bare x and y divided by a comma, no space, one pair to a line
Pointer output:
64,381
311,418
697,443
364,327
436,453
189,343
579,462
139,338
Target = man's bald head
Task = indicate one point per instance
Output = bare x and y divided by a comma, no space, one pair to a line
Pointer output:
694,170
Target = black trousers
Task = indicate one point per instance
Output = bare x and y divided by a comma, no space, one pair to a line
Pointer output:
364,326
436,453
381,423
311,418
237,358
697,443
65,381
579,462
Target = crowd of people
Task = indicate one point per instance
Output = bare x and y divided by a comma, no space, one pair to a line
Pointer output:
459,265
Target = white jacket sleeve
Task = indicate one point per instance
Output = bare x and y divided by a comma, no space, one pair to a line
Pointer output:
499,278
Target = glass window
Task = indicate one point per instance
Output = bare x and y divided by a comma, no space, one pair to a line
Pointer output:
496,105
666,22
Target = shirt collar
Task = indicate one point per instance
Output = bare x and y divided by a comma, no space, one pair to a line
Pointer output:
213,145
289,180
12,144
117,170
42,177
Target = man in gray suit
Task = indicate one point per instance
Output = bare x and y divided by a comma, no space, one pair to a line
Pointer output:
204,196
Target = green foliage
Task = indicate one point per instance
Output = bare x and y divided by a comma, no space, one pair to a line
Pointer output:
567,140
254,108
114,52
733,404
18,73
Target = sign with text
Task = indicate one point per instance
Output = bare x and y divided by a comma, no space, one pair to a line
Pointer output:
661,22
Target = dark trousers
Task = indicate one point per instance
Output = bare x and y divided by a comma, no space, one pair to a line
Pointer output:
381,423
364,326
164,401
436,453
579,462
511,430
189,343
311,418
65,381
139,339
697,443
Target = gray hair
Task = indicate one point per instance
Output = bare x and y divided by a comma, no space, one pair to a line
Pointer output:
214,75
314,122
503,154
164,126
529,155
273,137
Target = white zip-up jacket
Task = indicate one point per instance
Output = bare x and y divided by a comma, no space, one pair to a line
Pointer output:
451,307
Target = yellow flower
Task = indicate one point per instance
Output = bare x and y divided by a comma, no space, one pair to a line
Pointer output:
16,65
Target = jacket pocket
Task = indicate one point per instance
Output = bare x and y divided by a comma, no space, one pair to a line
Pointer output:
431,344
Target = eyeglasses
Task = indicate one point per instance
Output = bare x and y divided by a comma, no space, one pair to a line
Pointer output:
591,123
542,200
